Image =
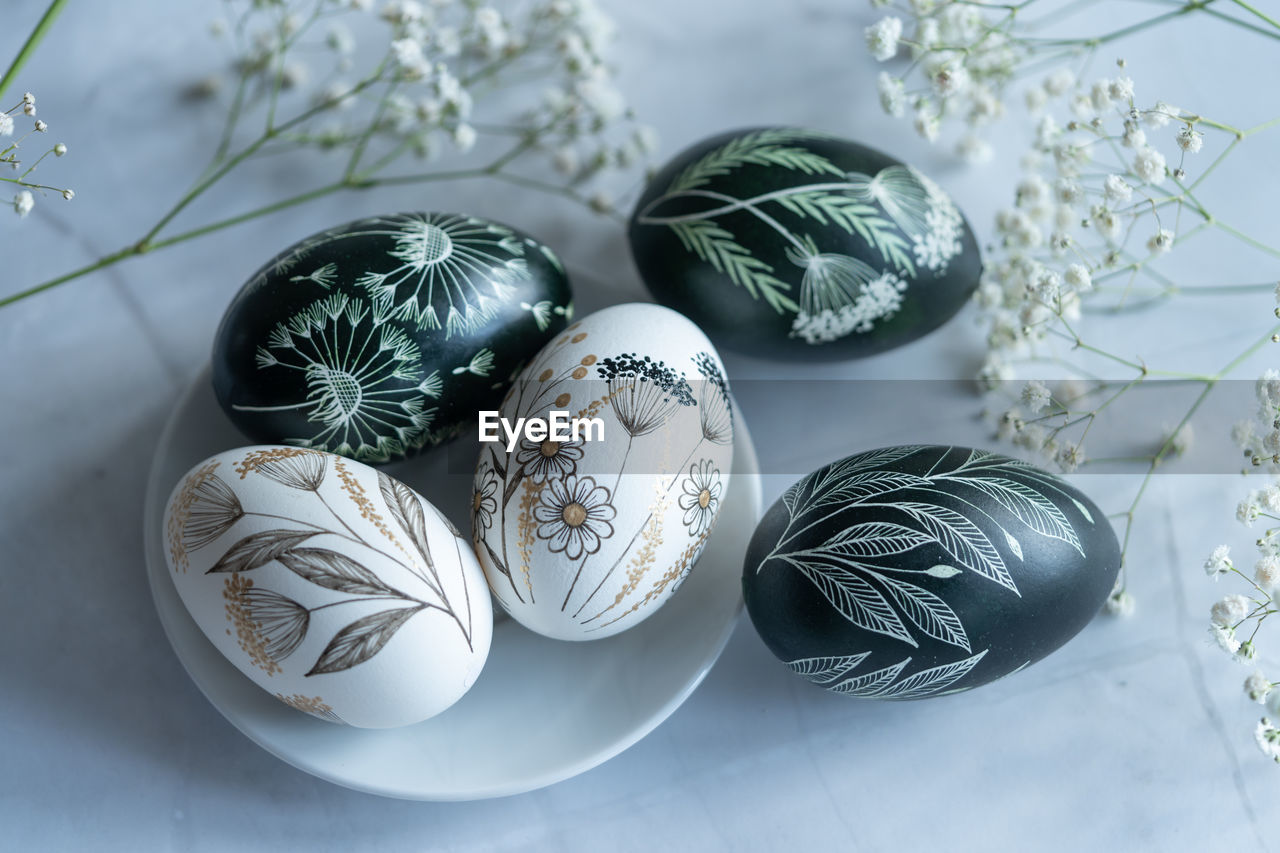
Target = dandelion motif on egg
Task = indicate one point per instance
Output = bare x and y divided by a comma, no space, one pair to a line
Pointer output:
914,571
384,336
798,244
581,539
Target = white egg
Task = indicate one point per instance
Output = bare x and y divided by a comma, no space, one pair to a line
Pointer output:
582,536
330,584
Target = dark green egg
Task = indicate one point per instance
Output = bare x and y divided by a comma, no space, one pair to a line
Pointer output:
385,336
794,243
914,571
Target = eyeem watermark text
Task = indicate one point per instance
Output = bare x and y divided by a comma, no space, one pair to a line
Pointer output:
556,426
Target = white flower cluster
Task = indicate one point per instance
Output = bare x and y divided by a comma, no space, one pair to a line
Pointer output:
1260,438
1090,208
964,59
20,179
451,72
879,298
1235,619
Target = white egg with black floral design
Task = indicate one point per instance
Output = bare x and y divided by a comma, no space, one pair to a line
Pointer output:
331,585
585,534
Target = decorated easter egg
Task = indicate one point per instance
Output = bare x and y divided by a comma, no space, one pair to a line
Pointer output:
586,532
915,571
797,244
331,585
384,336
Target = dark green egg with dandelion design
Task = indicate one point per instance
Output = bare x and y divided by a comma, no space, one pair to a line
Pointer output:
914,571
795,243
385,336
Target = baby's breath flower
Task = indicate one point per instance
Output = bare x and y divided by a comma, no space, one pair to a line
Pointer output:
1116,190
1120,603
1134,136
59,150
883,36
892,94
1160,242
1036,396
1266,572
1257,687
1225,638
600,202
1149,165
464,136
1219,562
1190,140
1159,115
1267,737
23,201
1070,457
927,124
6,124
1078,278
1229,611
1247,653
1247,511
1121,89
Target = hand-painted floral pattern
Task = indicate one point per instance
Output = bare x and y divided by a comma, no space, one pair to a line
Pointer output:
546,503
372,339
861,568
701,496
365,384
547,459
269,626
898,213
453,270
574,515
484,501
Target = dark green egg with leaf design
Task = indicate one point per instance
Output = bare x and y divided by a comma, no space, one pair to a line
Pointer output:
914,571
795,243
384,336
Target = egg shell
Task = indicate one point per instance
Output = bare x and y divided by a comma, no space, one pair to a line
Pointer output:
797,244
328,583
909,572
583,539
384,336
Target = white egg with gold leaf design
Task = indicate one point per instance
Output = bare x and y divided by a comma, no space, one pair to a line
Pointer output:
584,536
331,585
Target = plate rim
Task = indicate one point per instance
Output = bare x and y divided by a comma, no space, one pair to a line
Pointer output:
745,471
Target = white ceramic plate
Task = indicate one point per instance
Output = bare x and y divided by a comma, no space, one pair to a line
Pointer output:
542,711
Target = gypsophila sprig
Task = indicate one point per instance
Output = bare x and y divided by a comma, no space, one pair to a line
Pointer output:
1236,620
967,58
1111,191
405,92
16,135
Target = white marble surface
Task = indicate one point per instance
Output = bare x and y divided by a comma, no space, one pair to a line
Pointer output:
1134,736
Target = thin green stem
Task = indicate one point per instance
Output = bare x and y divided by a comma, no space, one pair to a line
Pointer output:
33,41
1257,13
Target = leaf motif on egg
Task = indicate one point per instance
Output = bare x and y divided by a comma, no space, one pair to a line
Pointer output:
859,569
270,626
898,212
555,510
